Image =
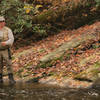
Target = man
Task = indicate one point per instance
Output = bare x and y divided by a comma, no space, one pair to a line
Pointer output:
6,41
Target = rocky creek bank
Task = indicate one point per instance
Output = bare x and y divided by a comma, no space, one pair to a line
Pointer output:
73,63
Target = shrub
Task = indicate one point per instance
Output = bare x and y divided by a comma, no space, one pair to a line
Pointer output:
19,16
97,2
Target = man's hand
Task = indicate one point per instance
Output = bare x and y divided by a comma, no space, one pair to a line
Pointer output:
3,43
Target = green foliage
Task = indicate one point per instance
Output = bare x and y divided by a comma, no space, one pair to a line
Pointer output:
15,14
39,29
98,2
19,16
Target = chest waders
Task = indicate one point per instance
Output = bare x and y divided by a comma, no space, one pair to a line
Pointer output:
5,54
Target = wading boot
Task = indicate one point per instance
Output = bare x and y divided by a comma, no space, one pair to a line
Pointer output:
1,78
11,78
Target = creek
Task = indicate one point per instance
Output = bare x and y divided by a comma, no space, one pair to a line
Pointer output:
30,91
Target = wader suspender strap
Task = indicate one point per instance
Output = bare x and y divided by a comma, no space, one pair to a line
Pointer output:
2,62
9,53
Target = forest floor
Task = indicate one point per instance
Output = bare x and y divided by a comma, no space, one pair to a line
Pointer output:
25,59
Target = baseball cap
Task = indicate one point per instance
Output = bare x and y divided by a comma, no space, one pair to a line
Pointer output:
2,19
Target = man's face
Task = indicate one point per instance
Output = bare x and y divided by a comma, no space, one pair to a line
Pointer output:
2,24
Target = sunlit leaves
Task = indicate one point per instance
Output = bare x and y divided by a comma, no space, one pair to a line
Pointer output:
38,6
28,8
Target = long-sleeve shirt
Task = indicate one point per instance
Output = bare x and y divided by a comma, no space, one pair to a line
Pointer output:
10,36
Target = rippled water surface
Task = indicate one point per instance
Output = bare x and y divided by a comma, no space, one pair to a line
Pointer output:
29,91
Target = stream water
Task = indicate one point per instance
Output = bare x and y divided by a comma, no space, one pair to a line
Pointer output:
30,91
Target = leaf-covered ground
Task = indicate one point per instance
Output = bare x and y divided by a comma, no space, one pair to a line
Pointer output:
27,58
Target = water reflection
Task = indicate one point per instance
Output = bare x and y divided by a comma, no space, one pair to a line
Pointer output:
29,91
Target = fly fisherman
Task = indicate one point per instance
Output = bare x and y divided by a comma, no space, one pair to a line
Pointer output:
6,41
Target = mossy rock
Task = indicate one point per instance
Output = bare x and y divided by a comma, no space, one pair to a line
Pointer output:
92,73
69,45
85,60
